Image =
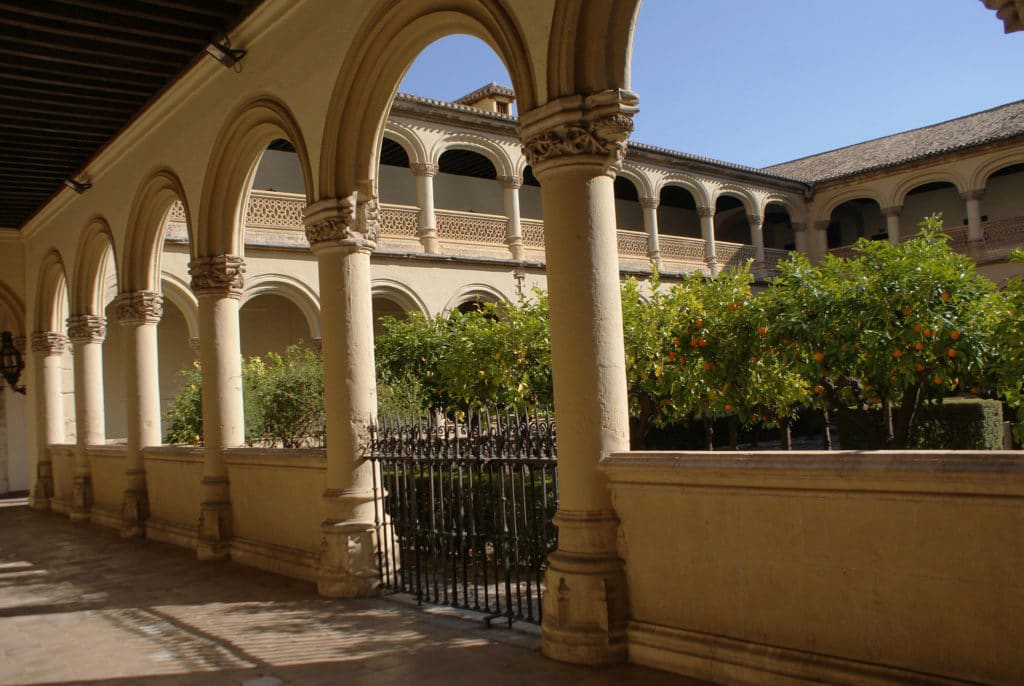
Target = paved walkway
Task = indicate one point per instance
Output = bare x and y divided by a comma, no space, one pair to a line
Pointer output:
80,605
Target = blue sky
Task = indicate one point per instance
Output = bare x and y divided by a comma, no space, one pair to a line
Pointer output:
764,81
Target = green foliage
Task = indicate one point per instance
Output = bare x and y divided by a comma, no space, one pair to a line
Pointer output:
949,424
1008,342
184,417
499,356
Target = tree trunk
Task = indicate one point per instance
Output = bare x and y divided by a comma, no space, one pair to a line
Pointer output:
709,432
826,434
734,432
785,436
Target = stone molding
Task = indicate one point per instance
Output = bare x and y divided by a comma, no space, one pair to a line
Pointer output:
975,194
649,203
893,211
343,222
427,169
821,225
218,275
48,342
87,328
508,181
703,211
139,307
579,129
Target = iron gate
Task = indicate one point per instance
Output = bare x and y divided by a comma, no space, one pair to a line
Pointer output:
466,509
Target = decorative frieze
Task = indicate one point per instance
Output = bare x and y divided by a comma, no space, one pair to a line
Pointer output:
424,168
596,126
139,307
221,274
343,222
48,342
87,328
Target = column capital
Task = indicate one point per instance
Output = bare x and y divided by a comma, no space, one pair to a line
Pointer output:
48,342
579,129
892,211
87,328
424,168
218,275
755,219
703,211
798,227
649,203
974,194
343,222
822,224
510,181
139,307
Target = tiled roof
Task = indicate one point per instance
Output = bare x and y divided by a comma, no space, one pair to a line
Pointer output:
485,91
989,126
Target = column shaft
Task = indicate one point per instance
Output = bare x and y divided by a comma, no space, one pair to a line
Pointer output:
425,173
892,223
707,232
48,350
975,231
87,333
757,239
650,207
514,230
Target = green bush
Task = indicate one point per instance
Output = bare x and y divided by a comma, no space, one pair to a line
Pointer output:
953,424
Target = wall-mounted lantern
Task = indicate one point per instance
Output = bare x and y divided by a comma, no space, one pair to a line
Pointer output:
11,363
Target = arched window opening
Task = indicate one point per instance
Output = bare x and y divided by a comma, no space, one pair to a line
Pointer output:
927,199
467,181
396,184
1004,194
278,169
384,307
628,213
778,228
178,352
853,219
677,213
529,196
731,222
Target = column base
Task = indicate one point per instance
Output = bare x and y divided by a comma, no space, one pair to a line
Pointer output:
134,512
81,498
515,248
428,239
586,603
713,266
42,489
976,248
215,529
348,560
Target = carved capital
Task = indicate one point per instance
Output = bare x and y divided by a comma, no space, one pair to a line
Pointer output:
217,274
822,225
798,227
139,307
893,211
48,342
507,181
424,168
649,203
755,220
343,222
590,129
703,211
975,194
87,328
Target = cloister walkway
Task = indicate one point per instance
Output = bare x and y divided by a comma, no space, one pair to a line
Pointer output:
80,605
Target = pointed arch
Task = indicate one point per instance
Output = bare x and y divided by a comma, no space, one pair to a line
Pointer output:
474,291
391,37
485,147
236,154
750,203
824,211
899,194
980,176
590,46
293,290
51,293
797,211
95,253
639,179
701,195
147,220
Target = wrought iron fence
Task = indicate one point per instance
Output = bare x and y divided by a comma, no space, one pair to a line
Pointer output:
466,509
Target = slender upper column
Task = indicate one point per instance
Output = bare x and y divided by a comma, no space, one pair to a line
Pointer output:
757,238
707,232
139,313
342,233
217,281
510,186
48,351
650,207
892,222
575,145
87,333
425,173
975,231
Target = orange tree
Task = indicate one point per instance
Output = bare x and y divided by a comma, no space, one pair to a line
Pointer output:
883,332
1008,367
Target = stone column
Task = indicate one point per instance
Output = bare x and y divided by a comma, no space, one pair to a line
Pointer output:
510,186
425,173
800,237
892,223
650,207
86,333
193,344
819,242
48,351
575,145
707,232
217,282
342,234
757,238
975,232
138,313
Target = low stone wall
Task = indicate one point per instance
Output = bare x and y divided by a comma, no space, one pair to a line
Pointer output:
174,477
277,505
62,461
107,466
853,568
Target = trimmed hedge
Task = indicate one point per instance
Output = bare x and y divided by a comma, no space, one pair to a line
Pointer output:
953,424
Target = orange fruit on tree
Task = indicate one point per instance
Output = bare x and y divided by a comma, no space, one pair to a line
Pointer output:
938,380
702,342
676,342
945,297
819,356
672,356
897,353
693,342
818,389
975,390
917,327
927,332
708,366
919,346
906,311
919,367
728,408
699,323
951,352
762,330
955,335
892,380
